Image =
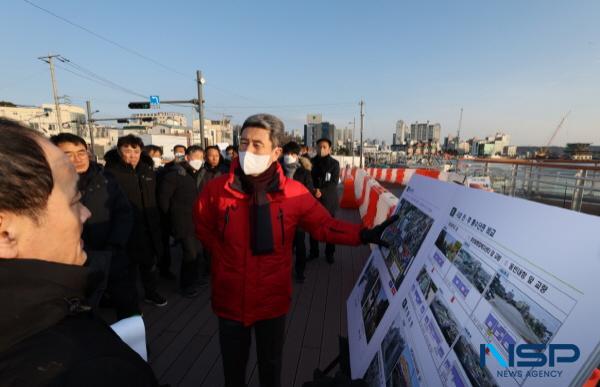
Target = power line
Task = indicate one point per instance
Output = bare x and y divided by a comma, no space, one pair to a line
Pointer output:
93,77
83,76
284,106
109,85
102,79
105,84
132,51
107,40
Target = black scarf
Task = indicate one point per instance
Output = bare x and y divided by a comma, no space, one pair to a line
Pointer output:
261,228
35,295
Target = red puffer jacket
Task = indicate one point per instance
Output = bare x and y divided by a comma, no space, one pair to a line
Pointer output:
249,288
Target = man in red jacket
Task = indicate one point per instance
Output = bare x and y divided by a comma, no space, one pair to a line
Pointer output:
247,220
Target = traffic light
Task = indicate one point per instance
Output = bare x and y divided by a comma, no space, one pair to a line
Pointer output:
123,121
139,105
147,119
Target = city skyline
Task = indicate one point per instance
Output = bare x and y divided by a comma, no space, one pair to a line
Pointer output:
514,68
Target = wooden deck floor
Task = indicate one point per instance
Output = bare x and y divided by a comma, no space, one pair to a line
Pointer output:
183,338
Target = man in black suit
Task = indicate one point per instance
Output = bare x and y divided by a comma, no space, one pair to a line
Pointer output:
325,174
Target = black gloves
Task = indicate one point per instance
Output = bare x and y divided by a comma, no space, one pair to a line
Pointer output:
373,235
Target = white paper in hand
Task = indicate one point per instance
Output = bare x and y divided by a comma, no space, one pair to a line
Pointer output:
133,332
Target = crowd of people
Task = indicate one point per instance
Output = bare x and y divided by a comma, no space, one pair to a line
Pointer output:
237,217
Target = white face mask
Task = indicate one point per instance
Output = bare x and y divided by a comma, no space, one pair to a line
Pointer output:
157,162
254,165
289,159
196,164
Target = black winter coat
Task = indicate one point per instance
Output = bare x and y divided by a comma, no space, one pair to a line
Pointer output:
177,193
50,338
327,184
207,173
109,227
139,185
112,216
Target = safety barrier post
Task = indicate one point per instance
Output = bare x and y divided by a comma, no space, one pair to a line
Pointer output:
513,180
578,190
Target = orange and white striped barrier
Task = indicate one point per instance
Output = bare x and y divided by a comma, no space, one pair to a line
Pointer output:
375,203
348,197
403,175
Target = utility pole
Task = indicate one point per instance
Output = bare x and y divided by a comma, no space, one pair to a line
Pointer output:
90,125
352,147
227,119
200,81
49,59
362,116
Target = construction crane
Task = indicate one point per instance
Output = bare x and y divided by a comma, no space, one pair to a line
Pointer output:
543,152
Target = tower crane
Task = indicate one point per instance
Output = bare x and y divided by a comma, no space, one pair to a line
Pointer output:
543,152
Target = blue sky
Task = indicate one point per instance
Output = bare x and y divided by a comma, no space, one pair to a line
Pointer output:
514,66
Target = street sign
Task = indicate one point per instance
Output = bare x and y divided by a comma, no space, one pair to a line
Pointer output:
155,101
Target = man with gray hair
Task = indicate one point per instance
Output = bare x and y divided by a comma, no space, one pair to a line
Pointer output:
247,220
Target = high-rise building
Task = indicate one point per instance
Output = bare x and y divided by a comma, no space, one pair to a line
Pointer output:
434,133
401,133
327,131
312,121
425,132
315,128
314,118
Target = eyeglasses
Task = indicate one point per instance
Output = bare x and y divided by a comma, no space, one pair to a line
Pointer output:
81,154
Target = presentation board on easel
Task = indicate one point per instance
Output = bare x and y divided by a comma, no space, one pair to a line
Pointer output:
477,289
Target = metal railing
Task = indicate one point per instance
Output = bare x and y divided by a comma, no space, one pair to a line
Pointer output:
574,185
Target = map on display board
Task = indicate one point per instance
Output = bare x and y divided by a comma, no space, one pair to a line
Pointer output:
477,289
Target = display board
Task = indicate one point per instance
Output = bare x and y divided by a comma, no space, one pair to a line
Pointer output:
477,289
